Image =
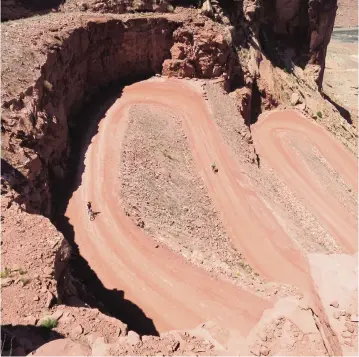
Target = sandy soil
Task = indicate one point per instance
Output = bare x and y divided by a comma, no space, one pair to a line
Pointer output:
347,13
341,76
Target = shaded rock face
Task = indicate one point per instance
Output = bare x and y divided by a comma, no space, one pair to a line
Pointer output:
78,63
16,9
300,25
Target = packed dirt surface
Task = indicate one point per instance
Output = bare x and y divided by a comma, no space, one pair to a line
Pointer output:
114,242
279,138
347,14
159,268
341,73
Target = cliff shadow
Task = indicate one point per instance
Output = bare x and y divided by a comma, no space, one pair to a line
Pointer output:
342,111
12,10
13,178
90,290
19,340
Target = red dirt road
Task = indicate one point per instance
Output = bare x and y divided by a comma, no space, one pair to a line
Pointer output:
173,293
268,136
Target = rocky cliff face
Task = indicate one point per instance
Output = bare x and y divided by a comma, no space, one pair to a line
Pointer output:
73,63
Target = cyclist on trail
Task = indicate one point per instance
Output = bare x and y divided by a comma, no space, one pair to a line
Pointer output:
89,207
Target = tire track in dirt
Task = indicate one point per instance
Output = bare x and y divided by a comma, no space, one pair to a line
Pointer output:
268,136
173,293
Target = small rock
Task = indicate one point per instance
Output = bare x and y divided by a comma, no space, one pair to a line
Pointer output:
50,299
118,331
294,99
68,318
264,351
36,298
255,350
77,331
349,327
133,338
57,315
92,337
48,271
15,268
342,312
346,334
146,338
175,346
301,106
43,290
156,246
100,348
6,282
334,304
354,318
262,336
336,315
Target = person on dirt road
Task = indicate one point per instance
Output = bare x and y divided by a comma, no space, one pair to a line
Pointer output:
89,207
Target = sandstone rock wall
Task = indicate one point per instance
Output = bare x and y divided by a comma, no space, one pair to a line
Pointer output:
78,63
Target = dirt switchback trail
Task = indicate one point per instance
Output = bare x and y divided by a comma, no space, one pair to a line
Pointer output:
173,293
269,134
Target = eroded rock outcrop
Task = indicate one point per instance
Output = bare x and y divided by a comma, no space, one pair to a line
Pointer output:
72,61
200,50
117,6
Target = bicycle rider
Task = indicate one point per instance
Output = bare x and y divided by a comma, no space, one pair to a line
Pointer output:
89,207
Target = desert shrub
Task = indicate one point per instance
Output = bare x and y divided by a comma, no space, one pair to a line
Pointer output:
5,273
49,323
25,280
22,271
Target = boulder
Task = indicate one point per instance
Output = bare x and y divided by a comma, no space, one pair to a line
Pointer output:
62,347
